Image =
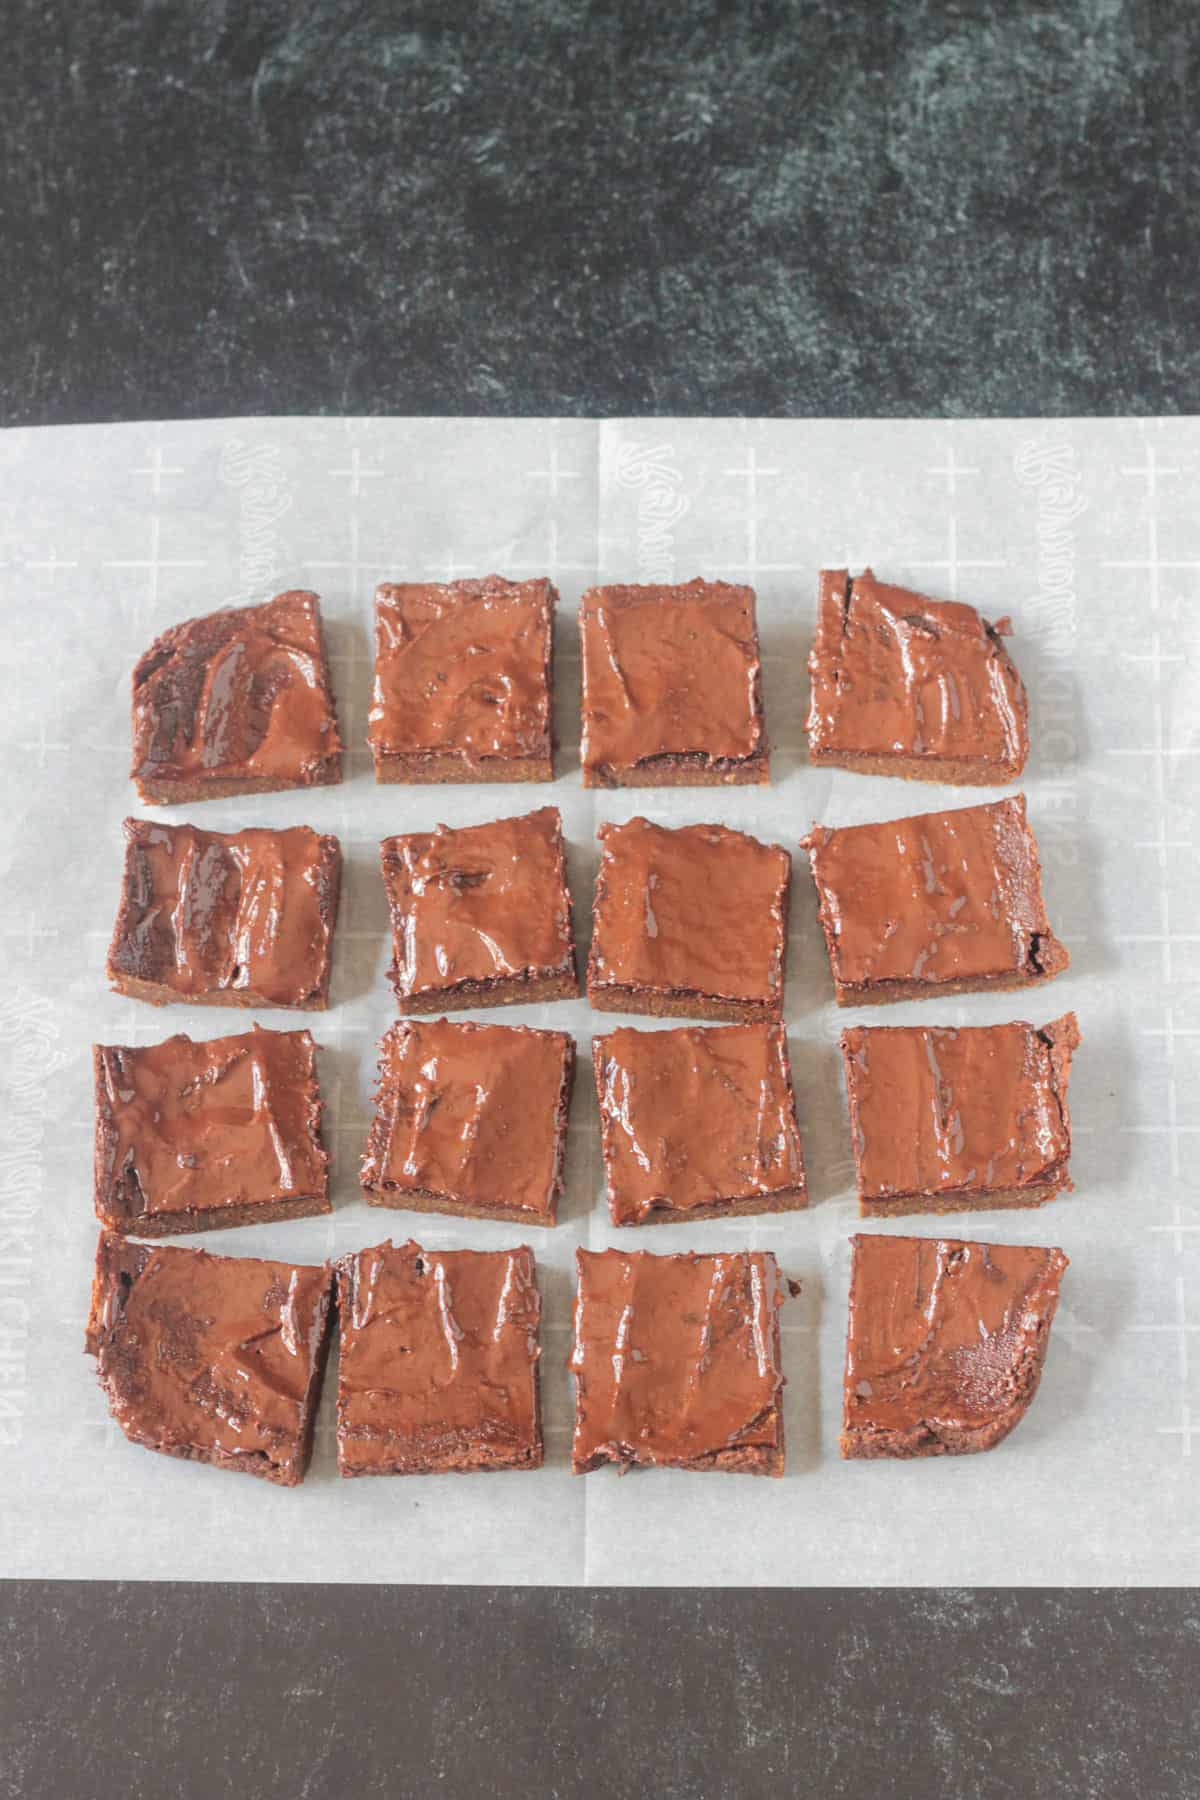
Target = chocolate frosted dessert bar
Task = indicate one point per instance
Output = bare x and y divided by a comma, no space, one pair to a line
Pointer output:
672,687
948,1119
946,1343
676,1361
237,702
688,923
438,1361
191,1137
226,919
943,903
470,1119
481,916
698,1123
463,681
215,1359
905,685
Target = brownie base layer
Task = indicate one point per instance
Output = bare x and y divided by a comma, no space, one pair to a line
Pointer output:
468,1462
449,768
679,1006
157,792
159,994
424,1200
935,1438
881,993
898,1206
680,771
215,1218
785,1200
950,771
743,1459
515,990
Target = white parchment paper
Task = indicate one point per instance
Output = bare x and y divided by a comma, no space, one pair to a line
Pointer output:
1085,532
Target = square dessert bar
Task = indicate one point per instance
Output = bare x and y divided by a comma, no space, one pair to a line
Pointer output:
905,685
470,1119
438,1361
944,903
216,1359
944,1119
676,1361
698,1123
481,916
689,923
197,1136
463,681
226,919
237,702
672,687
946,1343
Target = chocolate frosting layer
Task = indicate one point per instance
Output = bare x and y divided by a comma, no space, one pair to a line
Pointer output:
186,1127
209,911
473,1112
479,904
983,1107
243,692
700,909
897,674
695,1116
935,898
670,671
438,1358
675,1357
946,1337
463,665
213,1357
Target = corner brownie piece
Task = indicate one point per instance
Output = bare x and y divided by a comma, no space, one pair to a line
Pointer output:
905,685
943,1119
698,1123
237,702
191,1137
676,1361
944,903
946,1343
216,1359
438,1361
218,918
689,923
463,681
481,916
470,1119
672,687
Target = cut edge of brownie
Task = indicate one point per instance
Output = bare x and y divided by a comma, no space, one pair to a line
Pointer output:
682,769
962,771
739,1459
789,1199
622,997
507,990
119,1265
451,767
430,1200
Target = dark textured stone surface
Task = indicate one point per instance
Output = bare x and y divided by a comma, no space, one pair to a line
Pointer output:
348,1693
815,207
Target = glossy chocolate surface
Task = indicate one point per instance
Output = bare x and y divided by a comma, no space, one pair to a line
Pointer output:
195,1127
239,693
438,1360
463,666
211,1357
695,1116
981,1107
670,671
897,674
209,911
945,1336
675,1358
700,909
474,1113
935,898
478,904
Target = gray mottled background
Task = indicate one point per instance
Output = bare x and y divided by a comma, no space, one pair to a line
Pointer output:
346,206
